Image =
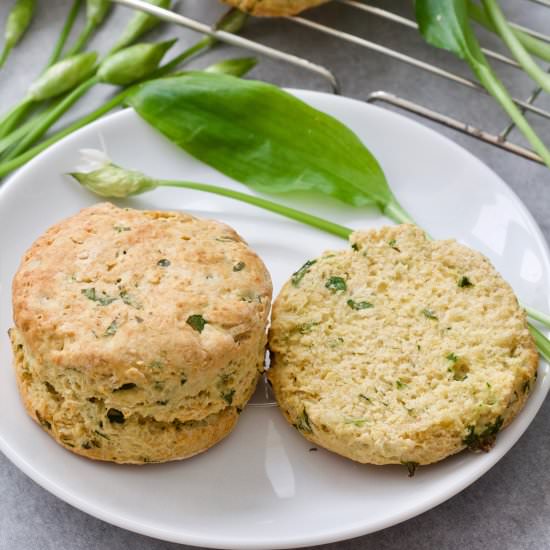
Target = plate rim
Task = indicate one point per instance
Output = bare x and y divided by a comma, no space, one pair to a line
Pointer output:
350,531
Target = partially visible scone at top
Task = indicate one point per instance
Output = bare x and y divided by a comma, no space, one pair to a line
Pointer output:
139,335
400,349
274,8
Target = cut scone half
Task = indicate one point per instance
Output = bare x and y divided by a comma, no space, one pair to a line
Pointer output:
400,349
139,336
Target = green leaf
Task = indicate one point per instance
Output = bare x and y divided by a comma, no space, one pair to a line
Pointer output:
445,24
532,44
262,136
514,44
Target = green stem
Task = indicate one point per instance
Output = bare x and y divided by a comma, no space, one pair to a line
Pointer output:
201,45
10,120
4,55
397,213
19,156
533,45
515,46
542,342
308,219
52,117
538,316
17,113
13,164
65,31
82,39
495,87
11,139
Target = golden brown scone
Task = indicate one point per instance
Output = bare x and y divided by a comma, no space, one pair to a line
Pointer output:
274,8
139,335
400,349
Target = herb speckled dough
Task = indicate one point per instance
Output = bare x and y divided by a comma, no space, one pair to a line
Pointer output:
400,349
139,335
274,8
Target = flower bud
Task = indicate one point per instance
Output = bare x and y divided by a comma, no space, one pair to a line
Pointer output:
97,10
106,179
235,67
18,20
140,23
62,76
233,21
132,63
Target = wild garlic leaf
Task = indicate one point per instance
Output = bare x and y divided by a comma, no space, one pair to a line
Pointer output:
262,136
445,24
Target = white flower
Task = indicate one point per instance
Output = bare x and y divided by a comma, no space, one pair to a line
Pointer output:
92,160
97,173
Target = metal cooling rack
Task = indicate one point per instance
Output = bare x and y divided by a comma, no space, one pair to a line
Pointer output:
499,140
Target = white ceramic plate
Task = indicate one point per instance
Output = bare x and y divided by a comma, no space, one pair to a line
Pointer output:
262,487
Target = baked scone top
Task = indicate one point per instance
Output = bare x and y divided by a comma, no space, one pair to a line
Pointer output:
400,349
112,289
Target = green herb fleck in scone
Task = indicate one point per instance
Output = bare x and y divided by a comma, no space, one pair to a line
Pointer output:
132,340
400,350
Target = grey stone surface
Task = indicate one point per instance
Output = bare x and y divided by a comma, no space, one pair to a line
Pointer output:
509,507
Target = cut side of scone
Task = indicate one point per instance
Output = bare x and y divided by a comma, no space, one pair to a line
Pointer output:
139,336
400,349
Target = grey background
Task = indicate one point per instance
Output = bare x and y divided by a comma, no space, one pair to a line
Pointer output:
509,507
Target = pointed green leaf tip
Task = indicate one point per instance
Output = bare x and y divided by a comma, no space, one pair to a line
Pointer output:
262,136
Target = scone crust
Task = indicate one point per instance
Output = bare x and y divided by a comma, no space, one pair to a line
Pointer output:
274,8
400,349
158,316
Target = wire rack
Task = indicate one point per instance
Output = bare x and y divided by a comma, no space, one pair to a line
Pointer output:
498,140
